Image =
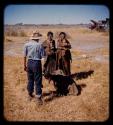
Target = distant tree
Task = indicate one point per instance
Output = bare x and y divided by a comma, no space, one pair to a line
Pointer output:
19,24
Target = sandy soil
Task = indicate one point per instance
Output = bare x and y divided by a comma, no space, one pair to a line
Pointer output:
90,50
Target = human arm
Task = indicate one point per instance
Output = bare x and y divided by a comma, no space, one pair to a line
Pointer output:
67,44
42,51
44,56
25,58
25,64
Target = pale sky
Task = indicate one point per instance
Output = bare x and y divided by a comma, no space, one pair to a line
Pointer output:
54,14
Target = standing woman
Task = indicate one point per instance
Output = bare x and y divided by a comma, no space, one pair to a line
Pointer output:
50,48
63,54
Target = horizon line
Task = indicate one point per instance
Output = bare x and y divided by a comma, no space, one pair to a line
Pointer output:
45,24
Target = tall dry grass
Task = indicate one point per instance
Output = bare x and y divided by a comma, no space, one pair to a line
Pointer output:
91,105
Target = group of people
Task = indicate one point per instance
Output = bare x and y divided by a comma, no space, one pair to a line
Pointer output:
58,53
57,57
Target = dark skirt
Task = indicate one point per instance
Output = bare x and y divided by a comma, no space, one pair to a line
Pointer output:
63,61
64,65
50,64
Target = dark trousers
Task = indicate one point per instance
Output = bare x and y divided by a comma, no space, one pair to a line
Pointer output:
34,73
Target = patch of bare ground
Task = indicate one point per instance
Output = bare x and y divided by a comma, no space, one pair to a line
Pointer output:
91,105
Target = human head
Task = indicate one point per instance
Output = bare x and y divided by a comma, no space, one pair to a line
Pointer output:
36,36
50,35
62,35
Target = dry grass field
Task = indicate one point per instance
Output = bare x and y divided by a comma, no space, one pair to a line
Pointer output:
90,51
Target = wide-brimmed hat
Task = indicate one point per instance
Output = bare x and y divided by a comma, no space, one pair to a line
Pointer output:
36,35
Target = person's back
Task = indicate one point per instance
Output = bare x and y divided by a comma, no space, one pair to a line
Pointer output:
33,53
33,50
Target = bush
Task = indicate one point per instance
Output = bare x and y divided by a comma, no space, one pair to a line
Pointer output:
23,34
13,33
